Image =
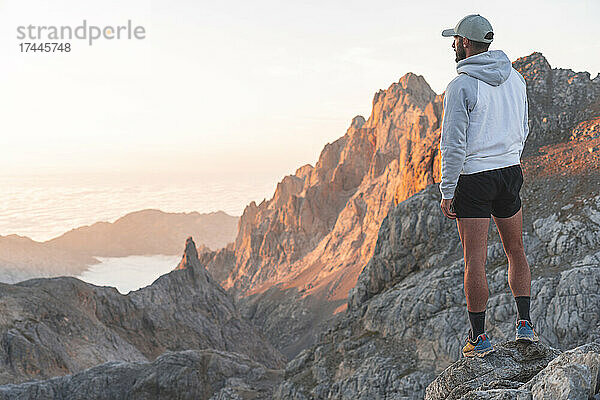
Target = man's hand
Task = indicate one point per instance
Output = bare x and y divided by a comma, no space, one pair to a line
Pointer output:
445,205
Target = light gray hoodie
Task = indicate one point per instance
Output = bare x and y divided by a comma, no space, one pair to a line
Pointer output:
485,118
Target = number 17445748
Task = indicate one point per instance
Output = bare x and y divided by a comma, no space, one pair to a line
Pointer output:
45,47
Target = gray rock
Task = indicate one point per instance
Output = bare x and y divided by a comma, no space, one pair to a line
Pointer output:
410,238
558,99
508,374
508,367
572,375
190,374
498,394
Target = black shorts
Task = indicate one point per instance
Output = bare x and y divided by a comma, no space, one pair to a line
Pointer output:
494,191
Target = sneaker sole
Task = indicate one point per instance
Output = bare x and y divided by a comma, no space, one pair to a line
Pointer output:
526,340
479,354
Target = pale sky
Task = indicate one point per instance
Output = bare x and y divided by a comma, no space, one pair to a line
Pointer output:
240,87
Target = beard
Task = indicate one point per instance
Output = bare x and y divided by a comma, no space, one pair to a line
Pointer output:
460,51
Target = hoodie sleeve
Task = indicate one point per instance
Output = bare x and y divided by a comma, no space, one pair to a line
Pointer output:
459,99
525,126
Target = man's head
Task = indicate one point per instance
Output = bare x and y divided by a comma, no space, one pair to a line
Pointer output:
472,35
464,47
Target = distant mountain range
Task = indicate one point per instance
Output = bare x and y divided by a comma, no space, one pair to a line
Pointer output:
144,232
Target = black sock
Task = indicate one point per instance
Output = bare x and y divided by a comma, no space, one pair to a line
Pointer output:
523,303
477,320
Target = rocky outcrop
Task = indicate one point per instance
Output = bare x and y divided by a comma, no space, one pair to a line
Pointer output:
145,232
522,371
559,99
587,130
58,326
190,374
317,233
304,209
219,263
575,374
511,365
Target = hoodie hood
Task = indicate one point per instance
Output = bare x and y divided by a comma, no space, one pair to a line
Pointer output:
492,66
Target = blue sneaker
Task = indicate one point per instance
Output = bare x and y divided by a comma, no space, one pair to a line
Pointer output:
525,332
479,348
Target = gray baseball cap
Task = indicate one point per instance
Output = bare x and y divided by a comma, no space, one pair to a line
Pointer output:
473,27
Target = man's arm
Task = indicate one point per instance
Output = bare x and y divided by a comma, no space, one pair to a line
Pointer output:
453,143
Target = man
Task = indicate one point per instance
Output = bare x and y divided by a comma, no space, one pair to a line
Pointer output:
483,133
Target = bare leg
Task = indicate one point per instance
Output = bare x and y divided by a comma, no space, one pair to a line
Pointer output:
511,233
473,235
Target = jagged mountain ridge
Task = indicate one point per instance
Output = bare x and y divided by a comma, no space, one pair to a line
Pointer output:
317,283
306,207
303,250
